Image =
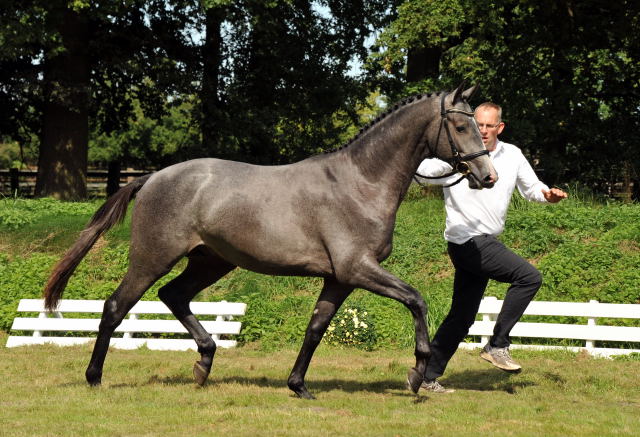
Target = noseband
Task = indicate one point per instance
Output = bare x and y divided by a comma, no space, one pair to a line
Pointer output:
459,163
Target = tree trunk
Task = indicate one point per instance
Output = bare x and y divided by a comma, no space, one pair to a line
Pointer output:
423,63
62,162
212,58
113,178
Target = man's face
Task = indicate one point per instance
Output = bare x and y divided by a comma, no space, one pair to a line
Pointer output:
490,127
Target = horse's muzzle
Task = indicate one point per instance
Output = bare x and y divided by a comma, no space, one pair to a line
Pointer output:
477,184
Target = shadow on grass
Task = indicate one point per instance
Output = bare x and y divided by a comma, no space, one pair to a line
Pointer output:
315,386
486,380
474,380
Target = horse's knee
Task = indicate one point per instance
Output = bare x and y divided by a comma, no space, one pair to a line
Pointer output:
166,296
112,316
535,278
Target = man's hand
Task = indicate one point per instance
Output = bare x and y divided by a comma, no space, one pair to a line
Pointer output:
554,195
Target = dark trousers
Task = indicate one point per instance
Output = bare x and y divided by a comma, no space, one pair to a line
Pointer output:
476,261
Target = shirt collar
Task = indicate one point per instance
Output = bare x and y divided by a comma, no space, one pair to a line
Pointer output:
497,150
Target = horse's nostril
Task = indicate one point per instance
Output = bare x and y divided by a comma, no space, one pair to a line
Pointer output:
489,180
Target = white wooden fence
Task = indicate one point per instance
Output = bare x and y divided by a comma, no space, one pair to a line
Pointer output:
47,323
594,330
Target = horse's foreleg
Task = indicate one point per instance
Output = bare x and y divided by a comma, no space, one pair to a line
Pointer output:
332,295
369,275
201,271
116,308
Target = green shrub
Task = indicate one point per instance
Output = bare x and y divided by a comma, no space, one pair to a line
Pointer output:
584,249
15,212
352,326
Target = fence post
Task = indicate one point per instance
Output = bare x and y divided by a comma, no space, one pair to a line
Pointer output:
40,316
113,178
487,318
220,318
591,321
132,316
14,177
43,315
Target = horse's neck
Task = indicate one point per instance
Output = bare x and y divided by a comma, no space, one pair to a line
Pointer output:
390,152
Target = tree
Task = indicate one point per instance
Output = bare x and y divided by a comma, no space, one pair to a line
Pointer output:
283,73
566,73
62,163
267,78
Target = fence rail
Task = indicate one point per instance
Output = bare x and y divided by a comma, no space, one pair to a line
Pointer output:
23,182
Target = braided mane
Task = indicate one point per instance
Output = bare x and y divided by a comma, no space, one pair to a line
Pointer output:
381,117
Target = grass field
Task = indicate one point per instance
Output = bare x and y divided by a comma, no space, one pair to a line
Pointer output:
151,393
585,250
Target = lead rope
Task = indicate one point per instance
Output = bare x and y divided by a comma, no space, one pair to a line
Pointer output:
415,178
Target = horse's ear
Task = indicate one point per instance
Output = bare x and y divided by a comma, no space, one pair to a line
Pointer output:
458,94
467,94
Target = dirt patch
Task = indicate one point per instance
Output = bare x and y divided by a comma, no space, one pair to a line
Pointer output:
628,246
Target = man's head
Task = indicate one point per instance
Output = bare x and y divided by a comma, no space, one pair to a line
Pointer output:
489,119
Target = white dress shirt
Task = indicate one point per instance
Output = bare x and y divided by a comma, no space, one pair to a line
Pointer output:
477,212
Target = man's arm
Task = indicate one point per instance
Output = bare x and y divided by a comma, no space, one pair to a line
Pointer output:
435,167
532,188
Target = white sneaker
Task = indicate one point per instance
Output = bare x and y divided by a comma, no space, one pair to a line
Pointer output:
500,357
435,387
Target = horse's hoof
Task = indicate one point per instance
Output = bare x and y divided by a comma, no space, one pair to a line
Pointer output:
200,373
299,389
93,379
304,394
414,379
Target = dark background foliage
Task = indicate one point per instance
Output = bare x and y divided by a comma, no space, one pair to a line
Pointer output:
147,83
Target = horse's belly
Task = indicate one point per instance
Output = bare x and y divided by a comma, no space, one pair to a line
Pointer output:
272,256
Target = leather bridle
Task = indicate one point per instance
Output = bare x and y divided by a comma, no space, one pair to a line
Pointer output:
459,163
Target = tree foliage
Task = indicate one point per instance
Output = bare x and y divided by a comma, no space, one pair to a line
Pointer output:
250,80
567,73
269,81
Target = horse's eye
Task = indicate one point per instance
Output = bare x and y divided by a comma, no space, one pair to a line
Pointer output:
460,129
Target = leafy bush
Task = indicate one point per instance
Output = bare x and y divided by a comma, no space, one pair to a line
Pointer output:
15,212
585,250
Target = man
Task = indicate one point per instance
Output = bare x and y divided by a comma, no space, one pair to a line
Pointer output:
474,219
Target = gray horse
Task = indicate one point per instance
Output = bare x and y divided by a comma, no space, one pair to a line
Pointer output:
330,216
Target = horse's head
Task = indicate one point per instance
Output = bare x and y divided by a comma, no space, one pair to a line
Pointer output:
457,140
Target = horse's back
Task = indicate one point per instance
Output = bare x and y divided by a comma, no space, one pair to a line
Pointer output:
254,216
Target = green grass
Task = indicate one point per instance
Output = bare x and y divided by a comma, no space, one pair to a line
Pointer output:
150,393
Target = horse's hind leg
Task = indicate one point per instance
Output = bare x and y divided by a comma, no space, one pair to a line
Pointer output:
201,271
332,296
132,287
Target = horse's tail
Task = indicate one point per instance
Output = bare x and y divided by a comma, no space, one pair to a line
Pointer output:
111,212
